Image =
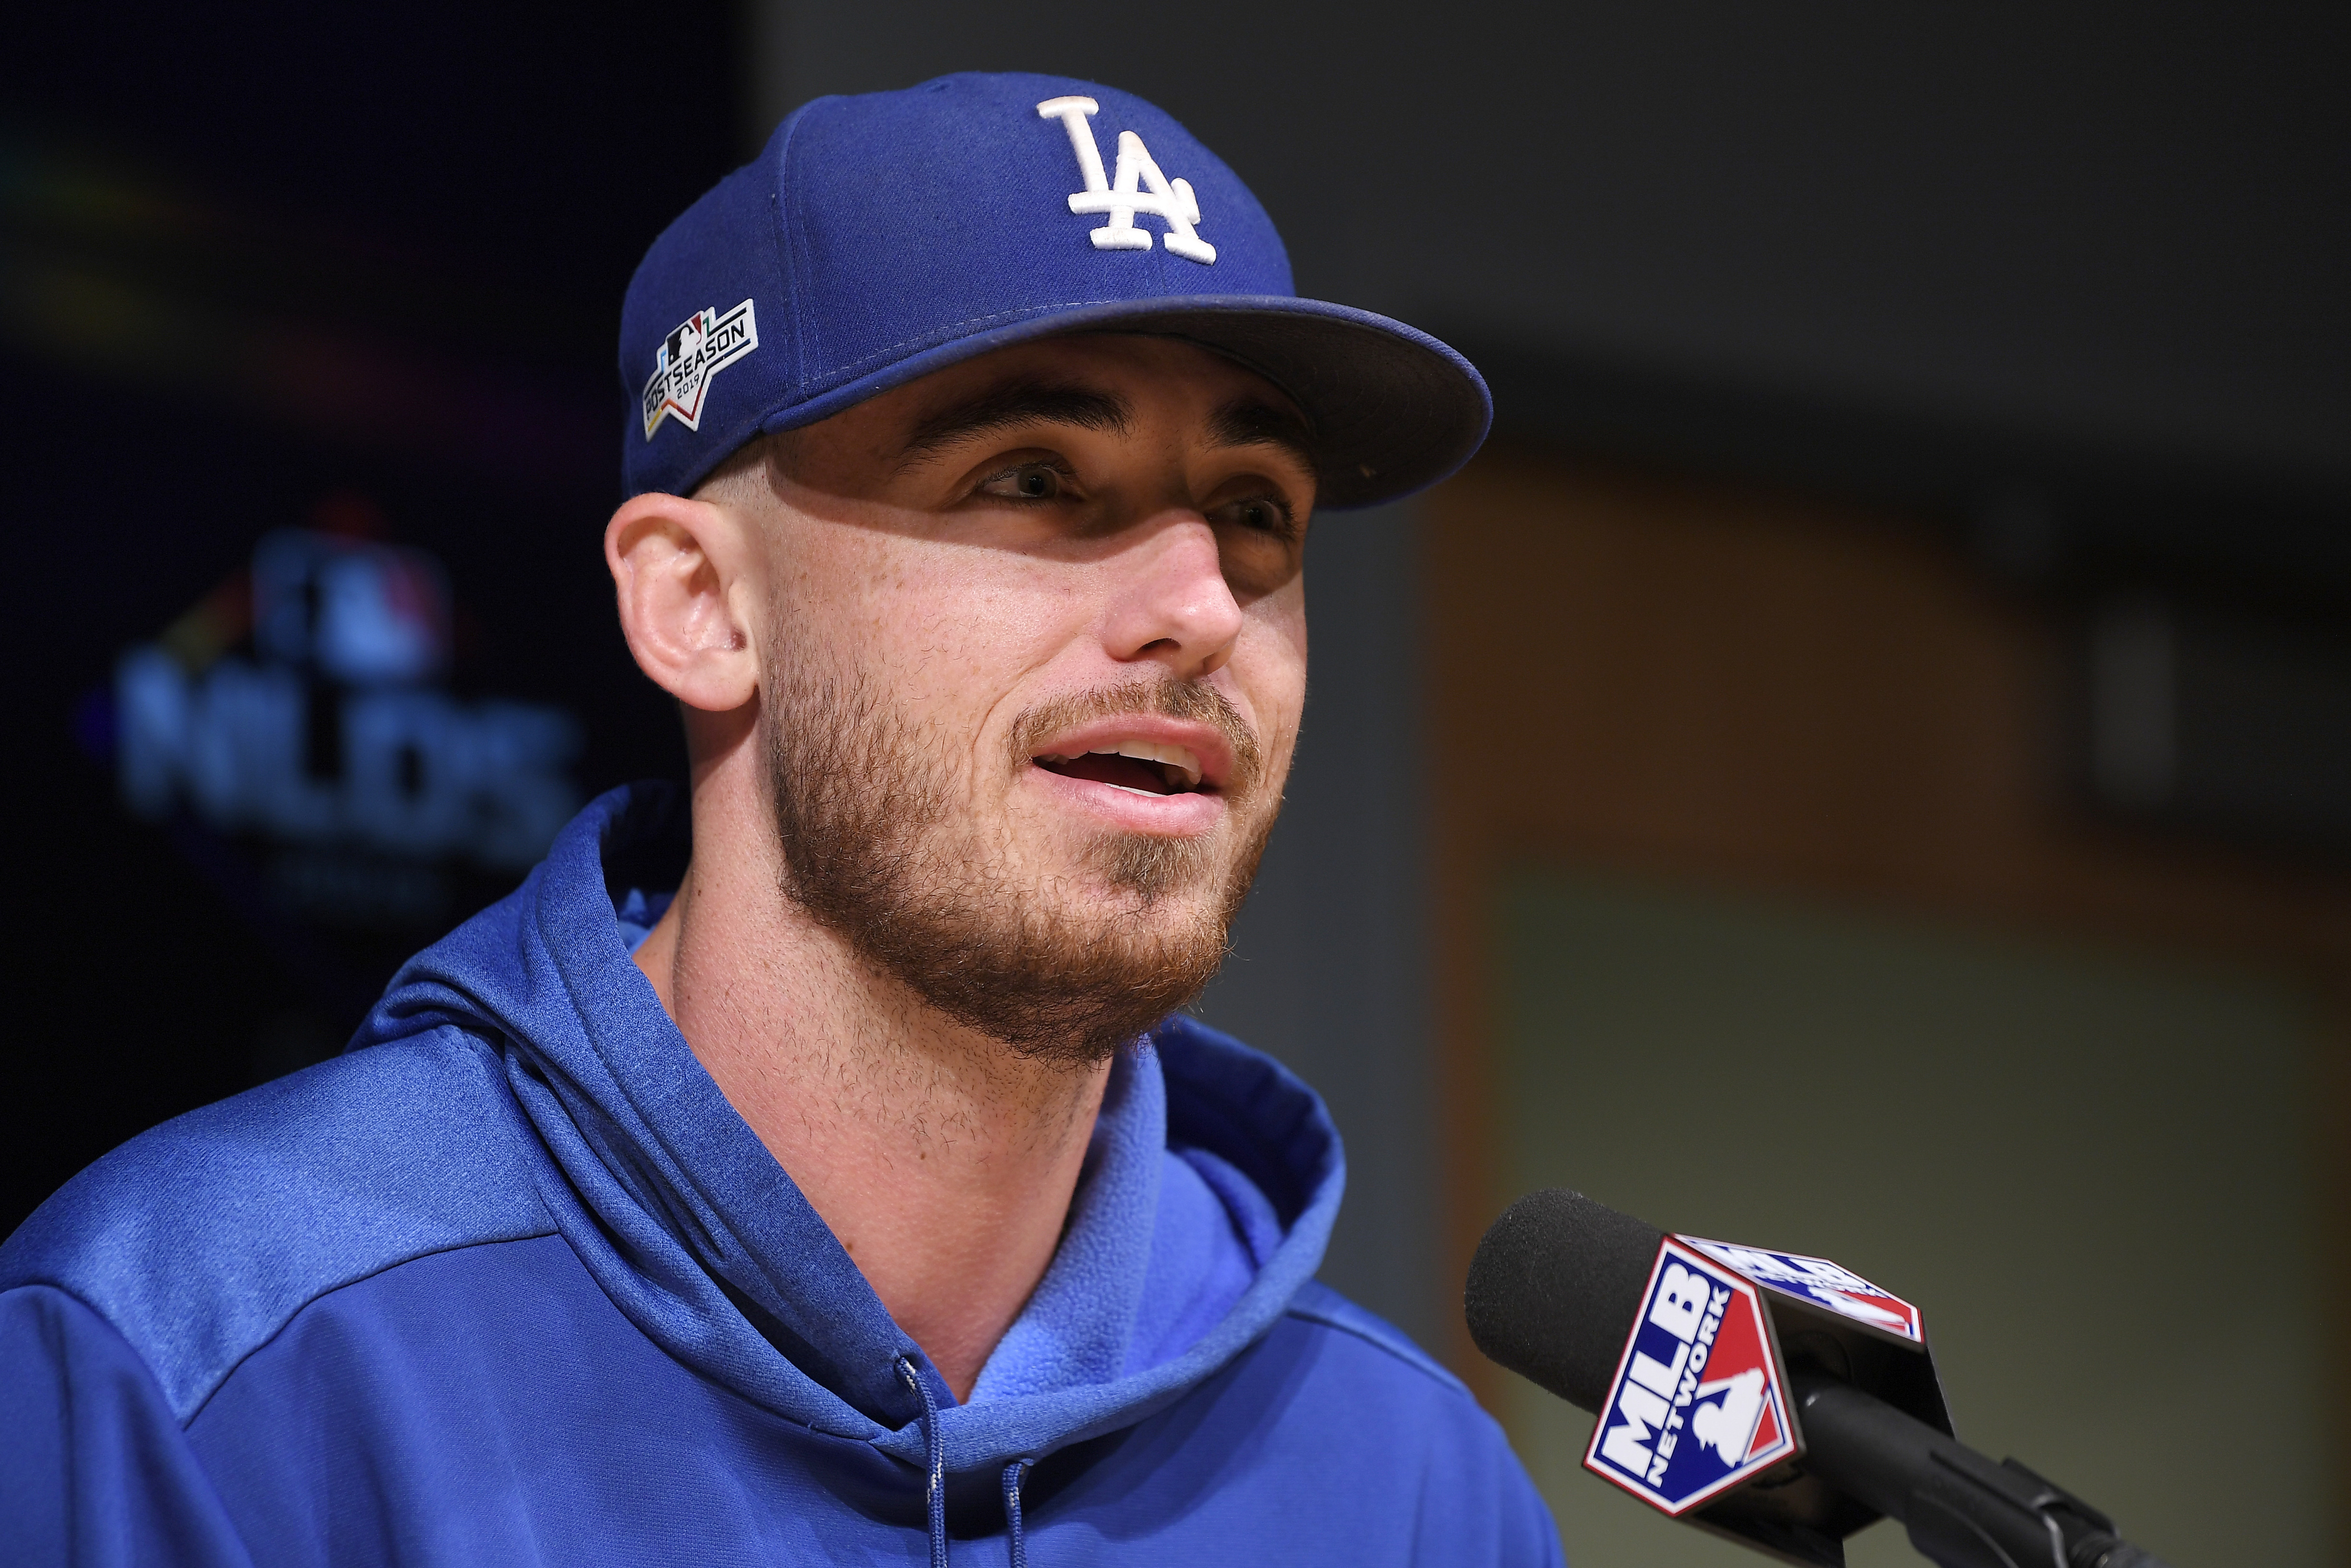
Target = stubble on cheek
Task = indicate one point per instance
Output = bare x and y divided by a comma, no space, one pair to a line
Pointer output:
890,844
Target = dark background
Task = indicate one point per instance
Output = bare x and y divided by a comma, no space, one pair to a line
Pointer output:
256,260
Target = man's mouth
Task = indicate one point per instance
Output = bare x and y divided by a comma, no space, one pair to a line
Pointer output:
1145,767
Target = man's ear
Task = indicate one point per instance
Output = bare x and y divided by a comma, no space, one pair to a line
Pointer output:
679,569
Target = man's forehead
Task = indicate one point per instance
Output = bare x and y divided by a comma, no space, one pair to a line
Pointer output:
1101,382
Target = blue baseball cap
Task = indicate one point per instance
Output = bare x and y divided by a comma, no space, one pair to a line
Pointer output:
882,237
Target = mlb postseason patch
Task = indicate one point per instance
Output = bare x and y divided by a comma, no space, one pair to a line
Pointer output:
1818,1283
701,346
1699,1401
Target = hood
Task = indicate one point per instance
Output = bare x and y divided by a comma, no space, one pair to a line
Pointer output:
1205,1200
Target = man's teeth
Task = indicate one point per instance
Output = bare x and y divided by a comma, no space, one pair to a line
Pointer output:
1186,766
1183,767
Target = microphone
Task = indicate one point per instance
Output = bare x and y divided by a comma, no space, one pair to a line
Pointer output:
1776,1399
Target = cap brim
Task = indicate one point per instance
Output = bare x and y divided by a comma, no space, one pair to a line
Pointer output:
1394,410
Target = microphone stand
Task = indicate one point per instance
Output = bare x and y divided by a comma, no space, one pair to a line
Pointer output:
1961,1509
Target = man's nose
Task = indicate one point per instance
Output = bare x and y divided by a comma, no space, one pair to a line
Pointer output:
1170,603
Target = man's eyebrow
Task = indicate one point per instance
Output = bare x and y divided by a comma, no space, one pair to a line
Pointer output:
1254,421
1014,404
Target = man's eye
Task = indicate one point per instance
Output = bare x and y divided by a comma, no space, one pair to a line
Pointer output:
1029,482
1260,514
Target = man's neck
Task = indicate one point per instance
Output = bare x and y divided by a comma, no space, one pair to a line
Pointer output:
943,1162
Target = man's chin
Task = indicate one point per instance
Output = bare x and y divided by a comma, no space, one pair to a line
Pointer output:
1151,872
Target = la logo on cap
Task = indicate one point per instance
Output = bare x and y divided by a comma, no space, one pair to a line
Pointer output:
1139,187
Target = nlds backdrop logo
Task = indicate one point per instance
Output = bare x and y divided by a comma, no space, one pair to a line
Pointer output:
1699,1402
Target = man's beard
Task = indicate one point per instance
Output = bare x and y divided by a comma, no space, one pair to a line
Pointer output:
876,851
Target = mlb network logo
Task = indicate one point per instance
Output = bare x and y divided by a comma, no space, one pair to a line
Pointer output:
1699,1402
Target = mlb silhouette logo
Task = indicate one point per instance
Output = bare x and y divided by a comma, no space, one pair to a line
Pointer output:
1699,1402
1817,1282
368,614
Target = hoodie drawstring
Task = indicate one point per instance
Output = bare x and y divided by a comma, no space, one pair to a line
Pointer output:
934,1448
1012,1474
935,1484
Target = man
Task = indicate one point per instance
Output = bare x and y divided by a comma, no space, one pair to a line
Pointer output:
865,1197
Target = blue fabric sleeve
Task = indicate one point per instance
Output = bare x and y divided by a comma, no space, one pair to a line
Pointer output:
94,1471
1530,1534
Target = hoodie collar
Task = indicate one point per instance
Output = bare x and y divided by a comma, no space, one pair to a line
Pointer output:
1205,1204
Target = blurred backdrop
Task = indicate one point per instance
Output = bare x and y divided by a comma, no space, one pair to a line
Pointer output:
1861,764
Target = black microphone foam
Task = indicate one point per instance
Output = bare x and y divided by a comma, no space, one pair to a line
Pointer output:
1554,1288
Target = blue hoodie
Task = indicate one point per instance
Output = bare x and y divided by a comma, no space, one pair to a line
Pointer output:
511,1282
